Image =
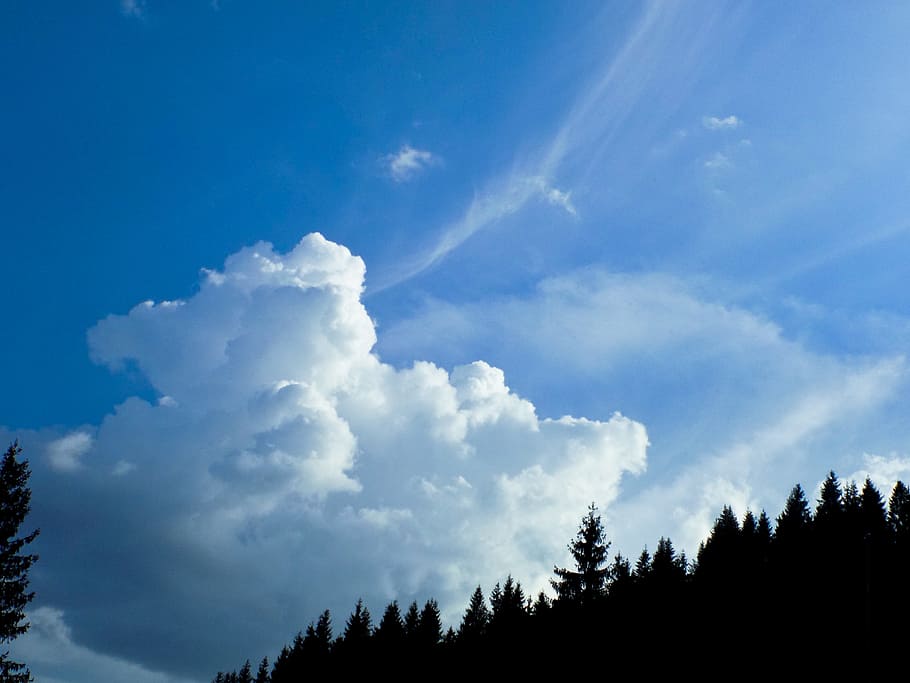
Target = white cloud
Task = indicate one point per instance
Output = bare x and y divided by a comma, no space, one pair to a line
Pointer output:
293,470
744,414
64,453
884,471
726,123
555,196
133,8
408,161
48,647
717,161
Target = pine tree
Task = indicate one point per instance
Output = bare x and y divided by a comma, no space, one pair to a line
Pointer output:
899,514
794,522
390,632
642,572
15,503
412,624
430,629
246,673
872,507
358,629
588,582
476,619
262,675
830,509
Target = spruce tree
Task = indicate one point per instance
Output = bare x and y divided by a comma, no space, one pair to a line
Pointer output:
476,619
390,632
429,631
899,514
246,673
262,675
587,583
15,503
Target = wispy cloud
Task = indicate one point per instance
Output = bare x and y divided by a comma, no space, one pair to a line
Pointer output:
592,122
64,453
407,162
132,8
726,123
555,196
718,161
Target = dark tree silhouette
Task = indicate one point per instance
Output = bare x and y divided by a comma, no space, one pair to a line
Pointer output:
429,630
246,673
15,503
476,619
262,675
358,629
390,632
587,583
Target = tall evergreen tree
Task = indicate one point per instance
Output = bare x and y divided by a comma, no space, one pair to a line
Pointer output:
794,522
412,624
246,673
476,619
15,503
830,509
262,675
899,513
587,583
390,632
874,516
358,629
429,631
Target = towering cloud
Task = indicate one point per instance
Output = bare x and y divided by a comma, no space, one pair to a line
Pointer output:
285,468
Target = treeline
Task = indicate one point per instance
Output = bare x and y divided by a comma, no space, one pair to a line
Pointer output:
836,580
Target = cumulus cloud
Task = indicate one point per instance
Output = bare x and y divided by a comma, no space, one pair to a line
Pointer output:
718,161
48,647
291,469
408,162
554,195
132,8
64,453
745,411
717,123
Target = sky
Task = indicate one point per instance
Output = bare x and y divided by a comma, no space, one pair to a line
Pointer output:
308,302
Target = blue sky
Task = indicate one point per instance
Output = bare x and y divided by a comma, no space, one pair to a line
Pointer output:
652,255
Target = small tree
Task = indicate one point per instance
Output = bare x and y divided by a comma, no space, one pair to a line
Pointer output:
588,582
15,503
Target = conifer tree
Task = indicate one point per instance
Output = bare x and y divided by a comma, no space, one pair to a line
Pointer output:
476,619
262,675
358,629
830,508
899,513
642,571
587,583
412,624
794,522
246,673
430,628
390,632
15,504
874,517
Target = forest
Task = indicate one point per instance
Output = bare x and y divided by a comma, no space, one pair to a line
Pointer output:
812,586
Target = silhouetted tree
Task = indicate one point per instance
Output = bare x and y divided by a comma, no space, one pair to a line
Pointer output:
899,513
358,629
15,503
390,632
262,675
412,624
476,619
587,583
429,630
246,673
